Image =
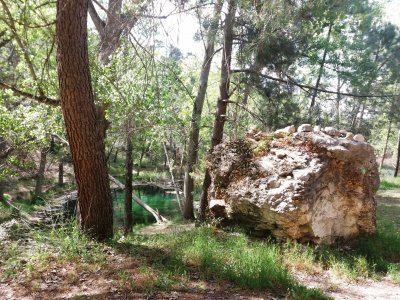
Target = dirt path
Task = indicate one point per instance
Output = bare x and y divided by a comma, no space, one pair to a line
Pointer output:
338,288
166,228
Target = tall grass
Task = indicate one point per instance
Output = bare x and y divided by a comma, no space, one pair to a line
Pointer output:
234,257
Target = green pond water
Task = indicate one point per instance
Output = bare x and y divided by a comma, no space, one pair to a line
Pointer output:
166,204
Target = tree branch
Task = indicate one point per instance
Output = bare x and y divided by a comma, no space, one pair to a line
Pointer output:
97,21
11,24
253,114
291,81
42,99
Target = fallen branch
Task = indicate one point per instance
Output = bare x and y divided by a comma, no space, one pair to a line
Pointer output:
159,218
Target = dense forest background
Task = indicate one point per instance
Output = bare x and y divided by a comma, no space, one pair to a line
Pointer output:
99,98
263,64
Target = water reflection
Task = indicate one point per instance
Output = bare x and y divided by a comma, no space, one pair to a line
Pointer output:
166,204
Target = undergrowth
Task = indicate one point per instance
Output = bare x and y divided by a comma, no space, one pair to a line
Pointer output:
71,244
170,260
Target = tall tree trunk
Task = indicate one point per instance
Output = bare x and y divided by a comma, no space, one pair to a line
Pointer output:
139,166
320,72
40,173
128,216
77,103
386,144
396,171
2,198
109,152
61,173
193,142
116,155
110,31
220,115
145,150
171,172
337,104
355,112
361,119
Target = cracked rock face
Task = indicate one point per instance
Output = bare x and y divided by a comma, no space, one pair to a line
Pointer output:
307,186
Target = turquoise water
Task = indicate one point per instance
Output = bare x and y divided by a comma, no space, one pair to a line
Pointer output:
166,204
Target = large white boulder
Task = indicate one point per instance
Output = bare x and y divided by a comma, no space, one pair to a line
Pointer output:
307,186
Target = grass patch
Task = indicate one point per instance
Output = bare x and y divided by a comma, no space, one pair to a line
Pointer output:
72,244
222,256
388,183
373,256
28,206
6,212
260,265
11,261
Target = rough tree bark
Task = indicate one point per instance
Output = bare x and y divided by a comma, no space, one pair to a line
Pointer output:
128,216
77,103
40,173
320,72
220,115
193,142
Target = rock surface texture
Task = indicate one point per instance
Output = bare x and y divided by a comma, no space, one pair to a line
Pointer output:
308,186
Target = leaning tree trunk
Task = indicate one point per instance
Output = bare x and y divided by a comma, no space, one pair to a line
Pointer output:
320,72
385,148
128,216
193,148
77,103
222,104
396,171
40,173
